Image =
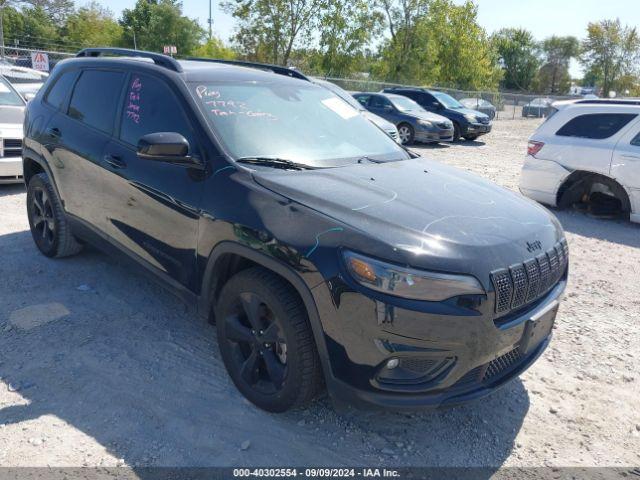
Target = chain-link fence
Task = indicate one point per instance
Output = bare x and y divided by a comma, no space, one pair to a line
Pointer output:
498,105
22,57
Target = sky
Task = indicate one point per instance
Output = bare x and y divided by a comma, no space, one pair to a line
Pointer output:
542,17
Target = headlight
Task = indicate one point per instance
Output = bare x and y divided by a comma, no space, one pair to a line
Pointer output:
425,123
471,118
408,283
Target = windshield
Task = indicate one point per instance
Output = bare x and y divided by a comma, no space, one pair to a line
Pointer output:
447,100
8,97
405,104
300,122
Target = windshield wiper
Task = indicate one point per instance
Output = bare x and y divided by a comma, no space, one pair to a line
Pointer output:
276,163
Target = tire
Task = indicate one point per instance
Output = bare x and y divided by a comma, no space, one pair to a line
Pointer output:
48,223
406,133
456,132
471,138
270,355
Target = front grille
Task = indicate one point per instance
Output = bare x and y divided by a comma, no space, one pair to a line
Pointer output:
419,365
523,283
484,120
12,143
489,371
501,364
393,135
11,147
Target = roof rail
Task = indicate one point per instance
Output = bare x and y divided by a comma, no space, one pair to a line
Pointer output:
288,72
605,101
159,59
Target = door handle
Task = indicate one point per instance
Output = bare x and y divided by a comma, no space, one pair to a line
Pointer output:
115,161
54,132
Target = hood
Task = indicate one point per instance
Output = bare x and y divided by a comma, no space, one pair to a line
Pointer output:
12,117
434,215
469,111
430,116
379,121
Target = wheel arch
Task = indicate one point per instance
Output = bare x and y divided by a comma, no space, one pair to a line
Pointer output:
570,187
31,167
228,258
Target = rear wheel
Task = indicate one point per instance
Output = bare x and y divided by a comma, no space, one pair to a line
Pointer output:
266,341
406,134
48,223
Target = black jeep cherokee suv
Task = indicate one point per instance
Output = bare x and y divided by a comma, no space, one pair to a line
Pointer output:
467,123
325,252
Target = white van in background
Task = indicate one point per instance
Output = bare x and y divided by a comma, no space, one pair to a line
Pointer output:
587,153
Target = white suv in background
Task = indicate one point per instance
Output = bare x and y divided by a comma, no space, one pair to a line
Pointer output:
587,153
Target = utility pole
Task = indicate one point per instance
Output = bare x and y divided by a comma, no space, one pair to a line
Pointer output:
2,30
210,21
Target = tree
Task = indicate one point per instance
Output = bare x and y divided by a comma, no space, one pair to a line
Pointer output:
346,30
404,55
463,54
58,10
91,25
215,48
611,52
156,23
268,30
437,42
518,54
553,76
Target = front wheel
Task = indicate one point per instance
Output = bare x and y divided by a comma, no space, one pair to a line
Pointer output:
456,132
266,341
406,134
48,223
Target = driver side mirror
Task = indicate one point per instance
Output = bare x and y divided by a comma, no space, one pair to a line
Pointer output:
168,147
387,107
436,105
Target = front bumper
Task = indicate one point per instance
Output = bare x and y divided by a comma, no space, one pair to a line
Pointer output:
470,356
10,170
477,129
432,135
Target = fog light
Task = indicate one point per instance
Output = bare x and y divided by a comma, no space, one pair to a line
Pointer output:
393,363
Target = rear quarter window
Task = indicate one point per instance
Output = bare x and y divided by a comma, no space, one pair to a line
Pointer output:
57,94
636,140
597,126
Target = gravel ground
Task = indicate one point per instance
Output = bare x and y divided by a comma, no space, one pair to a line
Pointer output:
99,366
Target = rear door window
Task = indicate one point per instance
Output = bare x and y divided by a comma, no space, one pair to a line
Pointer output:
597,126
95,98
150,106
379,102
58,93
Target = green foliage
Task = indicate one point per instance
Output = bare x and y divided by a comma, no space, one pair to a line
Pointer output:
553,77
437,42
91,25
462,50
156,23
268,30
611,53
346,30
215,48
519,56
